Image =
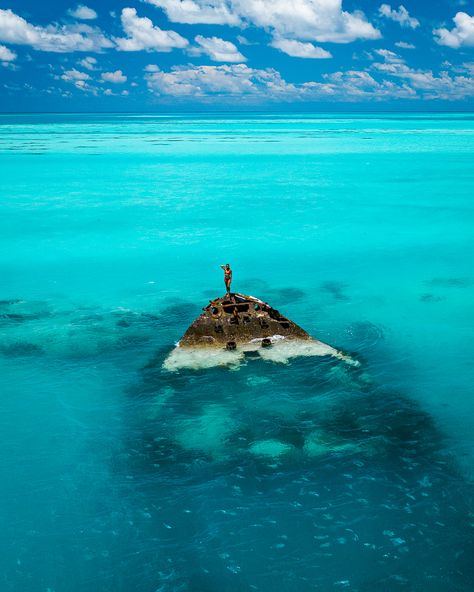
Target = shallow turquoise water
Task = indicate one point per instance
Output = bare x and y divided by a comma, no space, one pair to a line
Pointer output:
117,475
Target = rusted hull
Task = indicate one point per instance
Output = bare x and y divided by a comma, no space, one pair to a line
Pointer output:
229,322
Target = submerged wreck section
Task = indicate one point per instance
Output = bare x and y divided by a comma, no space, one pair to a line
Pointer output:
238,319
234,328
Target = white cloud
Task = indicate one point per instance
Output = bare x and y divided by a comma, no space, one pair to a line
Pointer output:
88,63
389,56
116,77
192,12
83,13
304,20
143,35
444,86
54,38
78,79
404,45
400,16
218,49
355,85
243,40
7,55
73,74
239,83
84,86
318,20
236,81
299,49
462,35
468,67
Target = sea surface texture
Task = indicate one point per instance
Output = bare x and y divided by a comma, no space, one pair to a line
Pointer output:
289,475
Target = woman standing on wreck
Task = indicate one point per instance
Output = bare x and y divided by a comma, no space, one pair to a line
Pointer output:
227,277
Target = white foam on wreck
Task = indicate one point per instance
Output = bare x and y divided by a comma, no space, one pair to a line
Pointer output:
195,358
281,351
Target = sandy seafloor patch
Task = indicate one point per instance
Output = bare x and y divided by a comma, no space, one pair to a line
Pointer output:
119,474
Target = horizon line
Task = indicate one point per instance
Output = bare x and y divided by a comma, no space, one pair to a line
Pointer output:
227,111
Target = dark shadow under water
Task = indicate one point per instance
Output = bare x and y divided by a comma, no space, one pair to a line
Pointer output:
308,476
364,498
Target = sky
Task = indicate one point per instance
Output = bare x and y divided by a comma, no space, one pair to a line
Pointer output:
173,55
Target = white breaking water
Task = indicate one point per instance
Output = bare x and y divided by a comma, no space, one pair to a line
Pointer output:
281,351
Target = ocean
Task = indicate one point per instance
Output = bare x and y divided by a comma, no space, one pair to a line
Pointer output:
119,474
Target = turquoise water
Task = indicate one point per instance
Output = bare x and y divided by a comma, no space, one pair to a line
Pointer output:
118,475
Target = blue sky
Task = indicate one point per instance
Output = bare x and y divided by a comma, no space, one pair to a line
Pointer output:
149,55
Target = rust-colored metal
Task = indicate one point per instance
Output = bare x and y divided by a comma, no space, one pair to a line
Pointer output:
239,319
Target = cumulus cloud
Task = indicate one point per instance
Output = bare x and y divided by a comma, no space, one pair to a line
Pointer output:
468,67
304,20
218,49
319,20
299,49
116,77
192,12
89,63
389,56
244,84
142,34
236,80
54,38
388,79
462,35
425,83
82,85
404,45
78,79
108,92
413,84
400,16
83,13
73,74
355,85
7,55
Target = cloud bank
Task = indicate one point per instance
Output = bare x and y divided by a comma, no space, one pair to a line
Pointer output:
304,20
